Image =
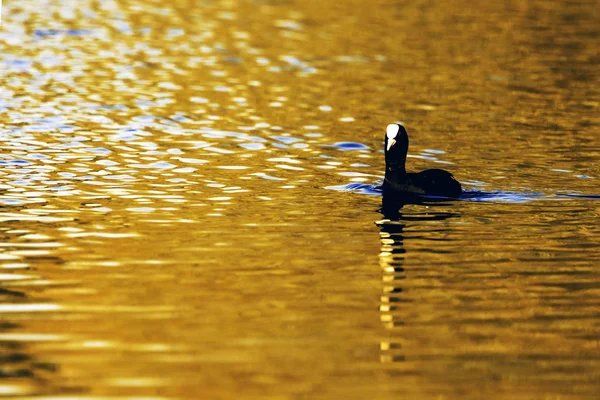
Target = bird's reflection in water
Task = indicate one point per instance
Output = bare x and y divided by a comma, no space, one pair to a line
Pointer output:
391,260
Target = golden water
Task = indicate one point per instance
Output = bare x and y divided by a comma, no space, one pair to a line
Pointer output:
169,228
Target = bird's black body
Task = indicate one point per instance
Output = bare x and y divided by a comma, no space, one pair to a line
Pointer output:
431,182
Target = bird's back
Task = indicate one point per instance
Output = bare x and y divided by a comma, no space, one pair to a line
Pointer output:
436,182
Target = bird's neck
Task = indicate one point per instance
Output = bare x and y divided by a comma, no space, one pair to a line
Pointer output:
395,173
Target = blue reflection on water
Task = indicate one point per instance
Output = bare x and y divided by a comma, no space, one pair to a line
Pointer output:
233,60
100,150
10,202
18,65
45,32
468,195
347,146
252,146
360,188
55,32
14,162
509,197
579,196
113,107
286,139
77,32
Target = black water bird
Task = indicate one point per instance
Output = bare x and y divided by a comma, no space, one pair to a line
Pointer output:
398,182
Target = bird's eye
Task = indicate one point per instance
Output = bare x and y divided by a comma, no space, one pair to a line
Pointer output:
392,130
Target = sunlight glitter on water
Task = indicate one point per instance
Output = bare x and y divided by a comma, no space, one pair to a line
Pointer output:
164,176
19,308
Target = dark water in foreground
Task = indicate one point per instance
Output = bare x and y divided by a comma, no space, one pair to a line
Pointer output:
189,202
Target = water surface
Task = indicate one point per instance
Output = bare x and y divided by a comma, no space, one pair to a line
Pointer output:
189,200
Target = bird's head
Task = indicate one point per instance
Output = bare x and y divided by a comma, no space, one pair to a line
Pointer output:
395,147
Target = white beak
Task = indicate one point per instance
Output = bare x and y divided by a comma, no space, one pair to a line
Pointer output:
391,142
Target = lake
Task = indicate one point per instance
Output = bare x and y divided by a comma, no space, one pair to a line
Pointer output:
190,204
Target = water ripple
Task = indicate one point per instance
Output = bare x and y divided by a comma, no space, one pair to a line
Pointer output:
467,195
